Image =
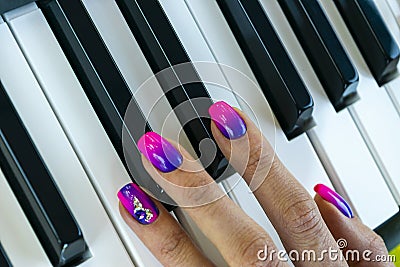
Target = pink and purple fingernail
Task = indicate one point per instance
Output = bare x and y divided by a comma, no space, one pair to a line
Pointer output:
138,204
228,121
334,198
161,153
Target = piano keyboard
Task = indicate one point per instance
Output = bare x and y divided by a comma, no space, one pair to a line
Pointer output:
71,67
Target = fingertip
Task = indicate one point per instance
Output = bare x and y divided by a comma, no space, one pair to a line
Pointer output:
227,120
335,199
160,152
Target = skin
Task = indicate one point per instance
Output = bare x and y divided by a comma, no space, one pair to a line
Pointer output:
303,223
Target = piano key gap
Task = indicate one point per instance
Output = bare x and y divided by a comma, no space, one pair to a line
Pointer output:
392,97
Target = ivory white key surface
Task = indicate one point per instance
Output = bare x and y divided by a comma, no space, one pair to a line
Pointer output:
16,234
82,127
394,87
390,10
375,110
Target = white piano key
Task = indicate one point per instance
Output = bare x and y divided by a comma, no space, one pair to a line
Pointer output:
17,236
390,10
224,46
46,132
395,92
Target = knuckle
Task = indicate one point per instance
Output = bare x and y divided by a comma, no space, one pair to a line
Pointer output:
254,159
277,169
376,243
198,179
303,218
200,190
173,247
258,158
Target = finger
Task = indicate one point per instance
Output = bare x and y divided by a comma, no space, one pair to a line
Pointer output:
288,205
157,229
355,238
235,235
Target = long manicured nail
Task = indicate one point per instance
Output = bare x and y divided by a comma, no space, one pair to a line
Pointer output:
228,121
334,198
161,153
138,204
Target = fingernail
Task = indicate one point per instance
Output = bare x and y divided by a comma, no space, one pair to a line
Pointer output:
161,153
334,198
138,204
227,120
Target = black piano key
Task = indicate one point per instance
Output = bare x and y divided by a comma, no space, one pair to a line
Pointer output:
372,36
190,101
7,5
279,80
36,191
330,61
4,260
103,84
390,232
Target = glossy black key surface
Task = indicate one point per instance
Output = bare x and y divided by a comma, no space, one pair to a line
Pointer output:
372,36
279,80
4,260
36,191
7,5
330,61
390,232
102,82
163,49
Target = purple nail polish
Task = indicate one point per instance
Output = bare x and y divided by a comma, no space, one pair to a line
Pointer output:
334,198
161,153
227,120
138,204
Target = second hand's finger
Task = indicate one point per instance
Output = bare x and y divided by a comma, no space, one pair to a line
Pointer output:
238,238
157,229
361,245
286,202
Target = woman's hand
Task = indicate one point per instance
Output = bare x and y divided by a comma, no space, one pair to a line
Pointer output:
303,223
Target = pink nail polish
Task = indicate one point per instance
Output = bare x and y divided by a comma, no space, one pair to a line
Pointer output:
161,153
228,121
138,204
334,198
